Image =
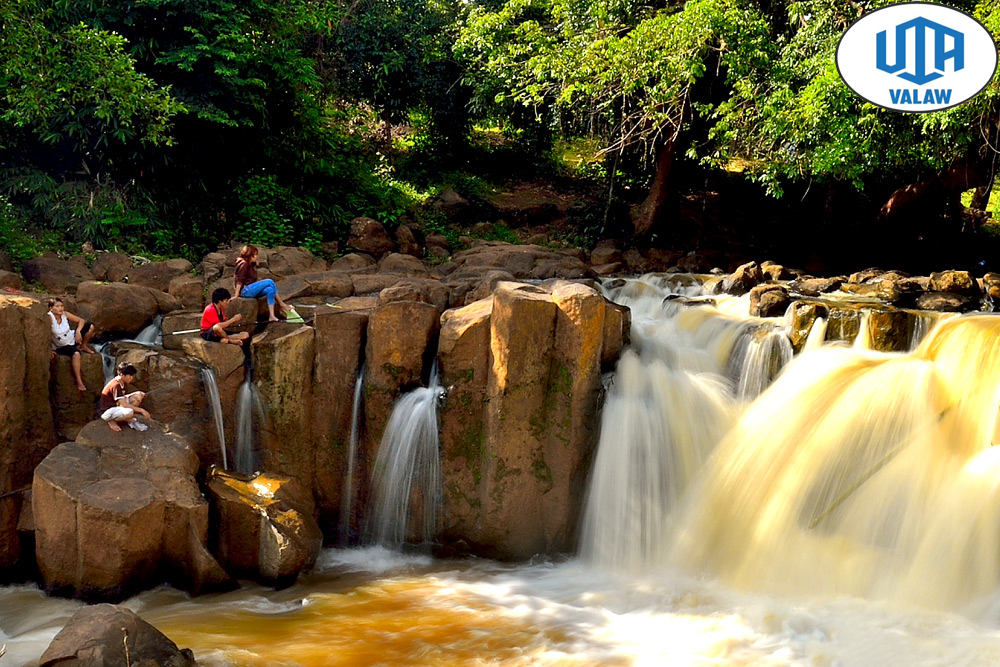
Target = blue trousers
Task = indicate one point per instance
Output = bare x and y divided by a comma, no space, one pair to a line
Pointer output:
265,287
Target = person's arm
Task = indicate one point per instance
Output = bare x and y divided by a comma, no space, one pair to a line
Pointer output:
79,322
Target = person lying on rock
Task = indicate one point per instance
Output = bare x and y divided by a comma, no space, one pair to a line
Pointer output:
117,407
214,322
247,284
66,341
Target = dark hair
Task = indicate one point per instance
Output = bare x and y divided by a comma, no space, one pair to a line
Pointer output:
220,294
54,300
249,250
125,368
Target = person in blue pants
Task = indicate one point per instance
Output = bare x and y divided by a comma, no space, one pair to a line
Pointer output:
247,285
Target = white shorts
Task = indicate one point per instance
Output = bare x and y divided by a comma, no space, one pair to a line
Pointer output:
117,413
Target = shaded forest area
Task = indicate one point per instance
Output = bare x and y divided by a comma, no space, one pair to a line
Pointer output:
168,127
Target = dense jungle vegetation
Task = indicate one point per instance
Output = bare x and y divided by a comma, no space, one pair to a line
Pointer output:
170,126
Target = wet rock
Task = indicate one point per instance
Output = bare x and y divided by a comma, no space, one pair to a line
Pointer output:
58,276
843,324
117,309
369,236
816,286
617,327
890,330
742,280
158,275
898,289
991,285
265,525
869,275
803,317
955,282
104,634
774,271
945,302
769,301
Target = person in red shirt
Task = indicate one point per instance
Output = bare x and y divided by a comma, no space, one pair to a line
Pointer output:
214,322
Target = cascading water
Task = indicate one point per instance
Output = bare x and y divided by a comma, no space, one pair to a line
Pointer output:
347,497
107,361
249,415
817,335
152,334
212,392
407,481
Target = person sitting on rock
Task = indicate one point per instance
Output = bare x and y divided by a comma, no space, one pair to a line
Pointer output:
214,322
247,284
117,407
65,341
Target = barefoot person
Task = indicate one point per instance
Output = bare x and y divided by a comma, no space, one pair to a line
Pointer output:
117,407
247,284
214,322
65,340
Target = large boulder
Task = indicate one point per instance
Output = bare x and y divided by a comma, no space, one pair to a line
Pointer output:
339,345
103,635
179,326
743,279
26,428
956,282
115,513
369,236
354,263
264,525
10,281
403,265
58,276
73,409
117,309
288,260
408,241
189,290
158,275
769,301
112,267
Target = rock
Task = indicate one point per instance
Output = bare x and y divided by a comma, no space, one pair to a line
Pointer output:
283,367
464,364
693,263
608,269
189,291
484,286
369,236
26,428
354,263
339,343
426,291
769,301
266,526
956,282
5,263
898,289
73,409
803,317
438,253
869,275
10,281
438,241
113,512
56,275
165,302
816,286
843,324
605,252
774,271
403,265
408,242
372,284
743,279
158,275
328,283
617,328
212,266
117,309
329,250
635,262
945,302
180,320
104,634
454,206
287,260
890,330
112,267
991,285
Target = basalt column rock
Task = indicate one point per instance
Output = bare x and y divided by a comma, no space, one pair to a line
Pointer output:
26,428
464,364
401,339
72,409
340,339
283,372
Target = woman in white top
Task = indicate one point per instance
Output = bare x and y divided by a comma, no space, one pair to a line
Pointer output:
65,339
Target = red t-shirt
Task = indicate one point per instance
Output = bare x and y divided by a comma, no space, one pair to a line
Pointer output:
213,315
111,393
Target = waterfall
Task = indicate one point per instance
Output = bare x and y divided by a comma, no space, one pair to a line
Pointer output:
249,415
152,334
757,360
212,391
107,361
863,341
817,335
407,479
347,496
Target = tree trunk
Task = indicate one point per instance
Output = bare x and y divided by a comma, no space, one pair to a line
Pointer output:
920,197
646,214
981,197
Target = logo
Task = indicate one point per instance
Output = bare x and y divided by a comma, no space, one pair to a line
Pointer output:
916,57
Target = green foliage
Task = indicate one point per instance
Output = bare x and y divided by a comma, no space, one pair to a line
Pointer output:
18,245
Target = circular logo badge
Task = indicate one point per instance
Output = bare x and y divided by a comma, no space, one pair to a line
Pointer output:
916,57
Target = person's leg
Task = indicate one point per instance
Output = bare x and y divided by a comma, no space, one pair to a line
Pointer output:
254,290
77,375
88,335
117,415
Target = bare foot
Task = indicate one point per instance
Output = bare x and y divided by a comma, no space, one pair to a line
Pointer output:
273,319
113,425
87,349
235,341
81,387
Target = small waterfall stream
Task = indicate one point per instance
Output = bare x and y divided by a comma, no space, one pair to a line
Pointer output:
347,495
249,416
212,392
407,479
